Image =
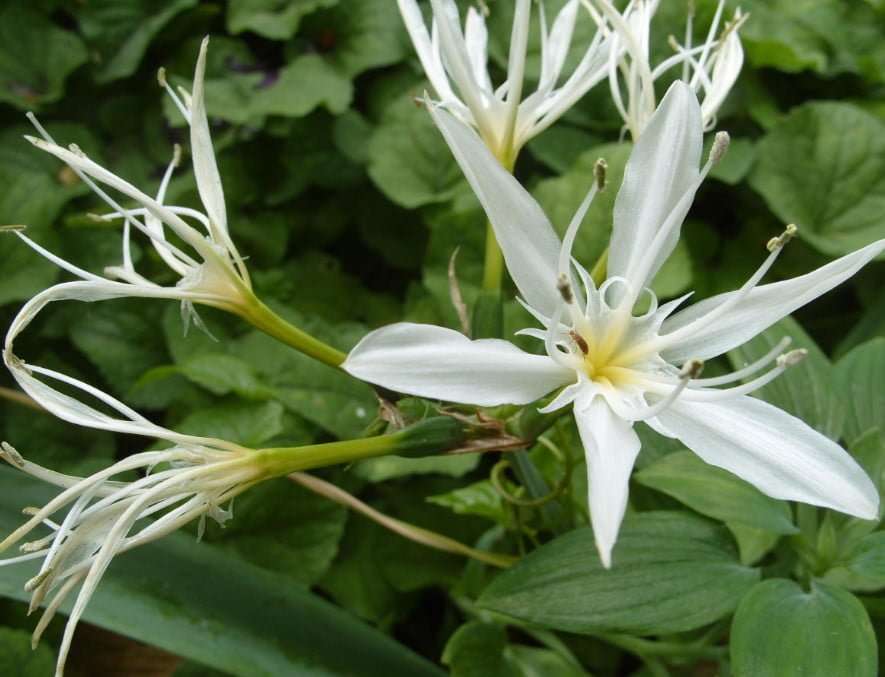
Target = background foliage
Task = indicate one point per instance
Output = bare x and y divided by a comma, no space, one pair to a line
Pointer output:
344,197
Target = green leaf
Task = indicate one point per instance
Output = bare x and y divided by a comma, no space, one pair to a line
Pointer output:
753,544
284,528
221,374
861,373
408,158
246,423
716,493
270,18
357,36
823,168
671,572
480,499
36,56
863,568
304,84
18,657
119,32
201,603
780,629
476,649
806,390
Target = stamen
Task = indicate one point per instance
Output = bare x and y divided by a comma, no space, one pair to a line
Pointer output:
784,362
720,147
564,287
568,241
599,171
689,370
792,358
749,369
161,78
775,246
37,580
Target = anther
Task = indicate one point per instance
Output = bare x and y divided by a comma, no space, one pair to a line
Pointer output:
691,369
30,510
161,76
791,358
778,242
13,229
720,147
37,580
75,149
176,154
11,455
599,170
564,287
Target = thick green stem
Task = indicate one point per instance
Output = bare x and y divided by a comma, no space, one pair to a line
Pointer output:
272,324
431,436
493,269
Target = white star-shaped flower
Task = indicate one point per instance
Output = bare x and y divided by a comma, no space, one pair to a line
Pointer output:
616,366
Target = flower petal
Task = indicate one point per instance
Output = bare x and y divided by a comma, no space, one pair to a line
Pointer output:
531,248
205,167
610,446
774,451
429,361
662,168
760,309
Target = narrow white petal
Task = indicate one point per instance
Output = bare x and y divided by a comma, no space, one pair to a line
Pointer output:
558,43
610,446
430,361
429,57
476,39
760,309
531,248
662,167
774,451
205,168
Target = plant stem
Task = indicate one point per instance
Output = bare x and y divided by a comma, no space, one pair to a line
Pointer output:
263,318
414,533
648,648
493,268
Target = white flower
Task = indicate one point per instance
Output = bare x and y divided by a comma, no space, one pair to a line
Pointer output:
710,68
619,367
104,518
214,274
455,62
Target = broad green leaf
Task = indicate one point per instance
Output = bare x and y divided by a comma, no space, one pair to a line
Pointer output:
753,544
863,568
861,375
807,390
716,493
221,374
480,499
17,657
357,36
670,572
304,84
36,56
823,168
408,158
270,18
247,423
780,629
119,32
284,528
476,649
195,600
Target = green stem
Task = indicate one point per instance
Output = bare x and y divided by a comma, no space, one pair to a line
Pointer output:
262,317
648,648
493,269
428,437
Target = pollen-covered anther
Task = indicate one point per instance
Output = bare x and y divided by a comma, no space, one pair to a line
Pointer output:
37,580
792,358
11,455
75,149
564,287
790,232
176,154
691,369
161,76
720,147
599,171
16,228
